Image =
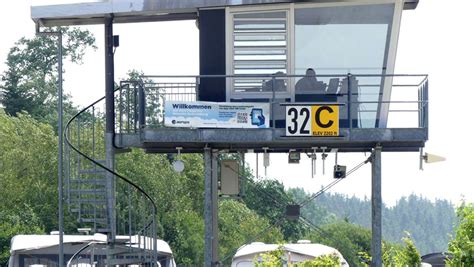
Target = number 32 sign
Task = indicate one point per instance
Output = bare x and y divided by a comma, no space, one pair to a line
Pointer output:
321,120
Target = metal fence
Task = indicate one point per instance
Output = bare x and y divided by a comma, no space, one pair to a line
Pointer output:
366,100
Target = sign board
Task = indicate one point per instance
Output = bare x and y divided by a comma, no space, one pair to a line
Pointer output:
318,120
230,177
201,114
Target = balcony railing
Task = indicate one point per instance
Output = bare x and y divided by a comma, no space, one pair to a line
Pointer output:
365,100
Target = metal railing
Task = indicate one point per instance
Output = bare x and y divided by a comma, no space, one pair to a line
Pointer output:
87,190
366,100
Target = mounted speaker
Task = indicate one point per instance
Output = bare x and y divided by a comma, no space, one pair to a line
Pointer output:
339,171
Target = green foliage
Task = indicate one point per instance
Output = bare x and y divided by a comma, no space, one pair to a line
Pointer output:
28,178
274,258
126,100
410,255
462,245
349,239
178,196
313,211
279,258
239,225
330,260
269,199
13,223
28,167
395,254
30,81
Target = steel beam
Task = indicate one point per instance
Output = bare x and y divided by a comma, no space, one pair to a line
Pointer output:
165,140
215,210
139,11
376,248
60,150
210,209
207,208
59,35
109,133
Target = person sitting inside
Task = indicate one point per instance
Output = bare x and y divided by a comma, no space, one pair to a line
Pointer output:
276,84
310,83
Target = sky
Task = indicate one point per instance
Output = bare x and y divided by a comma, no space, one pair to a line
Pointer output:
435,39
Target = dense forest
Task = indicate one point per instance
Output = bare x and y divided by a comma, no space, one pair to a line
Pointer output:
431,224
29,191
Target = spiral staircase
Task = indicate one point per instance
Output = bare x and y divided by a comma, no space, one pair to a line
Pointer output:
103,200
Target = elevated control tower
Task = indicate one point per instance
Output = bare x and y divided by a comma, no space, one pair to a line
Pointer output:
275,76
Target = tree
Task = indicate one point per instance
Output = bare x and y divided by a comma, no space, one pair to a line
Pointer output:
279,258
13,223
462,245
178,196
30,81
349,239
409,256
238,225
269,199
394,254
28,179
412,214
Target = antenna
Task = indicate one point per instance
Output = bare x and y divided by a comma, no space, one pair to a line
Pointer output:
429,158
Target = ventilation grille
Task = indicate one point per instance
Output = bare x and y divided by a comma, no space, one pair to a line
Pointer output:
260,47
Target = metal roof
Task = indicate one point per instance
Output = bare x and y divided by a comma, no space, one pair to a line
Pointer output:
30,243
126,11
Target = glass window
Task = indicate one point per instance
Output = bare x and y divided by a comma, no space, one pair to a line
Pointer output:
260,46
341,40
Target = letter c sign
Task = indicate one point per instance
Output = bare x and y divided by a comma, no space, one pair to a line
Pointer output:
326,120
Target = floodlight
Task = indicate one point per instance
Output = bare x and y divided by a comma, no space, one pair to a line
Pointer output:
178,166
294,157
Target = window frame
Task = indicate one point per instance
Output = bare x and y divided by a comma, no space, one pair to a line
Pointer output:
382,113
230,11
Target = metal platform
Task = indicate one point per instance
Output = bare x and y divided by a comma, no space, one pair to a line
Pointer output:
165,140
141,116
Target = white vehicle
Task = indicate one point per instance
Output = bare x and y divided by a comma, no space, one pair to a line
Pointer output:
301,251
42,251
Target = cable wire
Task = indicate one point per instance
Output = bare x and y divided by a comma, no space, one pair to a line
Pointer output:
281,218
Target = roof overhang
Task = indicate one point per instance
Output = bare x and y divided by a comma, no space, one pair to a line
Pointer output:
129,11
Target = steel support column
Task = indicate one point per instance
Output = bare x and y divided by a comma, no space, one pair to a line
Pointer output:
210,208
60,150
215,211
376,248
59,35
109,132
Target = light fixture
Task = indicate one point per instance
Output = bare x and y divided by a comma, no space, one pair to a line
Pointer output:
324,155
339,170
266,159
178,165
294,156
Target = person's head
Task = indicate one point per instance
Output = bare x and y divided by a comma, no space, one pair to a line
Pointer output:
310,72
279,74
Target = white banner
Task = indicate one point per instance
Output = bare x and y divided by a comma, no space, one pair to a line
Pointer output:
216,115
